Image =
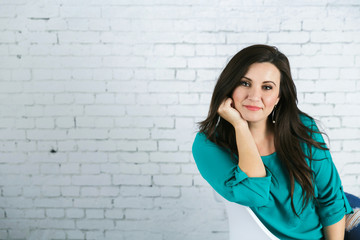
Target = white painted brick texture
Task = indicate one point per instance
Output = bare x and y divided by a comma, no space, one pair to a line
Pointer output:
99,102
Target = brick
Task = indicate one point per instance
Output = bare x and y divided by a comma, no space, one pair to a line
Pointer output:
147,145
34,213
109,191
291,25
344,133
334,86
136,87
167,146
94,213
179,180
130,134
158,98
347,110
136,121
55,213
89,192
114,213
246,37
318,110
164,50
329,73
188,111
12,191
289,37
332,36
168,87
353,98
188,75
350,73
90,169
80,12
208,75
133,202
75,213
164,122
185,50
79,37
169,157
166,62
55,224
8,11
322,61
310,49
7,37
150,168
154,111
97,180
75,234
169,169
131,180
170,191
351,145
95,224
314,98
331,122
351,121
332,48
104,110
92,202
206,62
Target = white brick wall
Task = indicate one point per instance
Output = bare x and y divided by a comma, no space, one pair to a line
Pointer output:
99,99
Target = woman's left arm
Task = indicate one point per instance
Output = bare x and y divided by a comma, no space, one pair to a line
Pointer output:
335,231
332,204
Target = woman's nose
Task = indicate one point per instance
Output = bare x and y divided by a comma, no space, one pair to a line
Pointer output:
254,94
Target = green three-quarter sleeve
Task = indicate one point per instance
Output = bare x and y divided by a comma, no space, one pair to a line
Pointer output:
332,202
216,166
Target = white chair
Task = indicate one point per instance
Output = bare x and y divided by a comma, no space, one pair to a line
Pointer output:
243,223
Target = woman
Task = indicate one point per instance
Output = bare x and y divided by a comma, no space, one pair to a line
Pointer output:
256,148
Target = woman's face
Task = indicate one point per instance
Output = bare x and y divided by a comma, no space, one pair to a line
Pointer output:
258,92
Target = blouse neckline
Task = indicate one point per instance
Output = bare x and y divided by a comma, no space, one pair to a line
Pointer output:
269,156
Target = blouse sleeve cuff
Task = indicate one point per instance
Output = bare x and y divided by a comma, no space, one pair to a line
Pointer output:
241,176
341,205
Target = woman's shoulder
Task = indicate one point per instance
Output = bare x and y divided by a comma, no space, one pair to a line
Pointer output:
307,120
201,140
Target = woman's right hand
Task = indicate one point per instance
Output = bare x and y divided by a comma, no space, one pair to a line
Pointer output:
230,114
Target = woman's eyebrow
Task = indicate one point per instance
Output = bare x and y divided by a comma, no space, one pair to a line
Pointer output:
269,82
263,82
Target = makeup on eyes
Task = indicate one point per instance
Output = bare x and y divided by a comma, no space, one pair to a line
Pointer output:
249,79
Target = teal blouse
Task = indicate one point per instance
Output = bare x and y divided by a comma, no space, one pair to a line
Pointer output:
269,197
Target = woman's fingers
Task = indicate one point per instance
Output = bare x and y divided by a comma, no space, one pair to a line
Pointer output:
230,113
224,105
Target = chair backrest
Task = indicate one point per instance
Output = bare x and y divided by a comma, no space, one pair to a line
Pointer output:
243,223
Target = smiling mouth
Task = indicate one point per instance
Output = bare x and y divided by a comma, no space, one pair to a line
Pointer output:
252,108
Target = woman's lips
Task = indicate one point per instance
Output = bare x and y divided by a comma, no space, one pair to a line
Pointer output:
252,108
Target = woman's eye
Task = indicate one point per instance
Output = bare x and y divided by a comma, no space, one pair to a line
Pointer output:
267,87
244,83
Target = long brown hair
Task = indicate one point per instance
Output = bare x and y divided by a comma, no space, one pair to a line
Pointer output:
289,130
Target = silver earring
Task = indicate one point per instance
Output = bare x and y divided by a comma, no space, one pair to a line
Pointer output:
272,115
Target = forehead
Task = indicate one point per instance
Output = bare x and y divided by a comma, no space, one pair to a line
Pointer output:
263,72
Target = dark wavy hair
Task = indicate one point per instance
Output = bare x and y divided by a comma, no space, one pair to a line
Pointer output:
289,131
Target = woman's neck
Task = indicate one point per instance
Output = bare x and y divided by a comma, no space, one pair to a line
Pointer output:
263,137
259,130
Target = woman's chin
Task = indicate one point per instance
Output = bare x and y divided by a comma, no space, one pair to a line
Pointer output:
253,119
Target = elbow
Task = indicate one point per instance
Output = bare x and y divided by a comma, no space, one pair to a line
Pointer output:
252,199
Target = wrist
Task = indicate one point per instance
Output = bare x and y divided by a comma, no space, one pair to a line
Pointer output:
240,126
